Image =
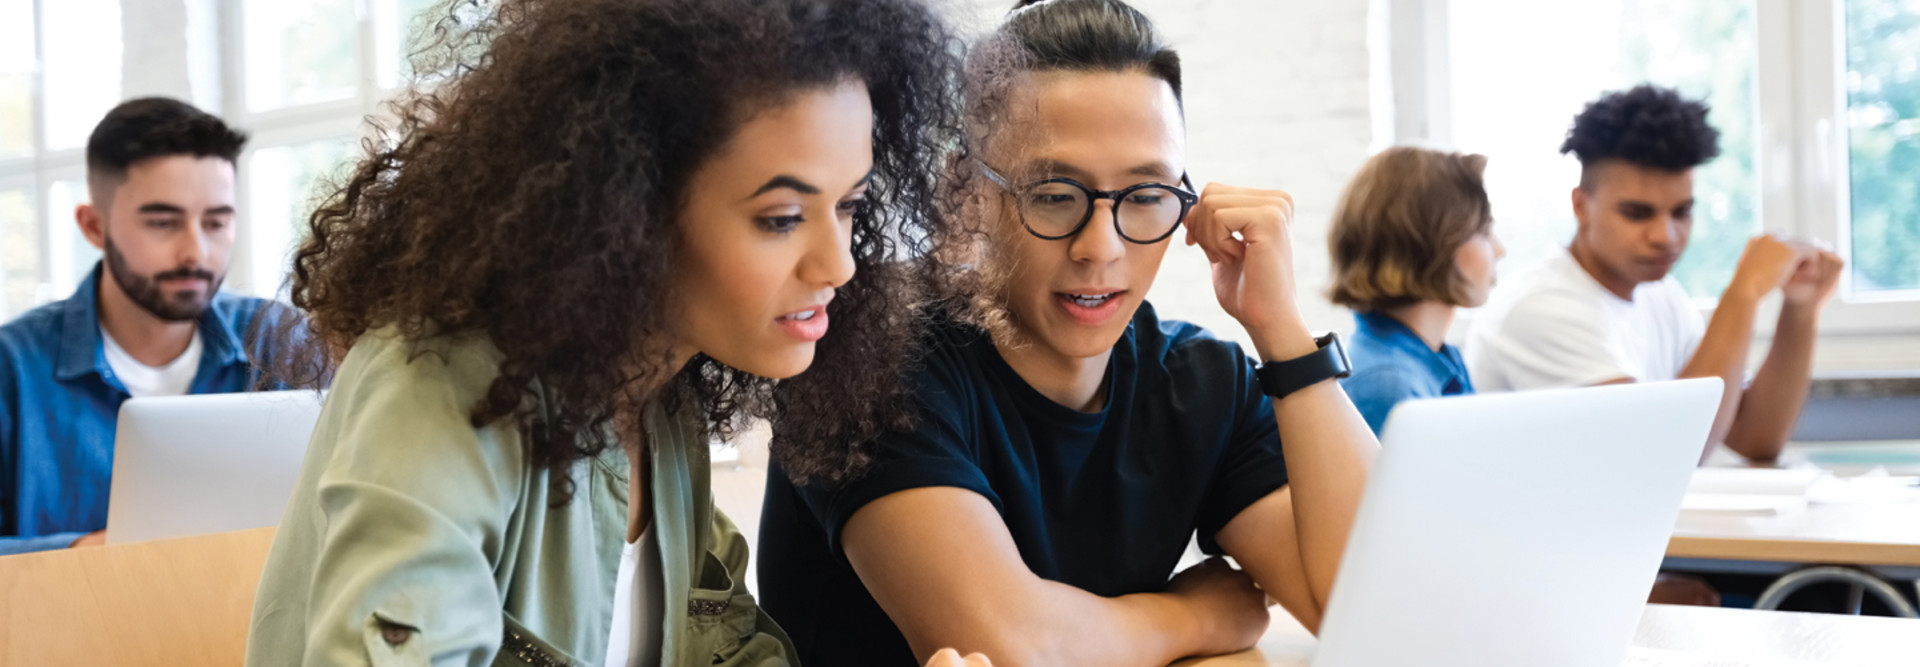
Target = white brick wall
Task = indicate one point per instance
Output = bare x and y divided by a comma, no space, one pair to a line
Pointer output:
1277,95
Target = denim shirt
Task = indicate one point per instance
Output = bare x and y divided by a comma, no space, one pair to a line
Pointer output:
1392,364
60,403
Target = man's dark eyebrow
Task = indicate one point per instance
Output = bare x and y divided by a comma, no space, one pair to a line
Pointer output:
160,207
788,182
1050,168
224,210
1153,170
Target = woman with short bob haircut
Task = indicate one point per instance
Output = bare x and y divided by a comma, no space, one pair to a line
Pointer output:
1412,241
613,229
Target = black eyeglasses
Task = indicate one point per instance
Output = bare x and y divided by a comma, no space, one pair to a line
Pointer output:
1059,208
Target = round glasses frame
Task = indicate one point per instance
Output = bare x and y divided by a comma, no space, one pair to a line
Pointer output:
1186,196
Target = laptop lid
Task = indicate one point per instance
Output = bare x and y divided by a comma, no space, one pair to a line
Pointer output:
1516,530
189,465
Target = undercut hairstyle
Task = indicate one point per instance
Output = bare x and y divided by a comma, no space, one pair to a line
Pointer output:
1399,224
530,190
1647,126
150,127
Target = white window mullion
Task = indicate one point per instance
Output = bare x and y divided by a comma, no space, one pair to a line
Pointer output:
1777,84
39,87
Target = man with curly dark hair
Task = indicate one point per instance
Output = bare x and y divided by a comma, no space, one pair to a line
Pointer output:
1607,312
149,319
599,239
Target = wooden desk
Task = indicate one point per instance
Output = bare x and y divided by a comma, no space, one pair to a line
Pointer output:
183,601
1843,534
1830,534
1720,637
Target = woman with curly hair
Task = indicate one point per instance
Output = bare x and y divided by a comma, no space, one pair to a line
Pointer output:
600,239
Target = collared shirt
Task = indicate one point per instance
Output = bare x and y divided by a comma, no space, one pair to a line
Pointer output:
60,402
1392,364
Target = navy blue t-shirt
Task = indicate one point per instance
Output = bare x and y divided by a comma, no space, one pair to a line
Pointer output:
1105,502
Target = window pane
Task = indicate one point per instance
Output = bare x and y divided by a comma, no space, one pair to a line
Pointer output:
82,79
1519,76
1883,140
16,78
300,52
401,21
73,257
284,184
19,253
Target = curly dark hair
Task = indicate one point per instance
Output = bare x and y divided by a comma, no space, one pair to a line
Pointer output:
529,189
1647,126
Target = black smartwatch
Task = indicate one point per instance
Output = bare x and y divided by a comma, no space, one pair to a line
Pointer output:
1280,378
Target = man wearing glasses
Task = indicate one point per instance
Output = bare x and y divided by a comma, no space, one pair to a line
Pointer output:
1071,443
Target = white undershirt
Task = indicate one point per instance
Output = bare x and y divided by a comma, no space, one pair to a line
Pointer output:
173,379
634,639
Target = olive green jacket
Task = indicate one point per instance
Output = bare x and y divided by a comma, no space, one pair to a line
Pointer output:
406,516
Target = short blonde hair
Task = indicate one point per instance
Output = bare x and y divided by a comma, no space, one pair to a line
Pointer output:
1399,223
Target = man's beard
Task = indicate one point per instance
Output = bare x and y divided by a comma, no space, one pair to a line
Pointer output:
181,306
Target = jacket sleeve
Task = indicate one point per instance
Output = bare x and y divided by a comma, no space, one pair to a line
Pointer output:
16,544
415,503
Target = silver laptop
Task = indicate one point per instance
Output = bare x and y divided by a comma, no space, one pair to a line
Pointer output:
189,465
1515,530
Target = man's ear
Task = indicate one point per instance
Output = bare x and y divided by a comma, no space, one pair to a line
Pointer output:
1579,197
92,224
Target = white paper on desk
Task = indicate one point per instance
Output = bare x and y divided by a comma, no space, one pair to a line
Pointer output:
1763,481
1869,489
1747,503
1653,657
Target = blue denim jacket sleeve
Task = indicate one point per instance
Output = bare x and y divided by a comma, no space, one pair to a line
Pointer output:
26,545
11,544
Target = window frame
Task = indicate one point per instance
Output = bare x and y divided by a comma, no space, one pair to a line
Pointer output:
55,279
1816,139
32,170
1802,160
340,119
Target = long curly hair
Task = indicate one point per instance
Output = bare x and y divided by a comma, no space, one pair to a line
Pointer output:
529,184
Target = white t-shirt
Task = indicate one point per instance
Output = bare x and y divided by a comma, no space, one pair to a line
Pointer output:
634,640
1554,326
173,379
